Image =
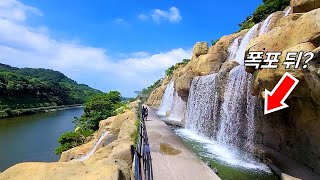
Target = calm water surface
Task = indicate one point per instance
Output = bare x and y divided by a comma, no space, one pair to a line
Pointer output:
33,137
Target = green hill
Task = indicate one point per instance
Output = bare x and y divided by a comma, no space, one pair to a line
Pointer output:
22,88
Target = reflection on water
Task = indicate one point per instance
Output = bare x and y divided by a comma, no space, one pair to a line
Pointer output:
33,137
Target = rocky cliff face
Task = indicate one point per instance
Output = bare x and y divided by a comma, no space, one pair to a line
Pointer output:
112,159
295,130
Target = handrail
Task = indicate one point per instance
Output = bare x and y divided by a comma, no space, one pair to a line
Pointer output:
142,155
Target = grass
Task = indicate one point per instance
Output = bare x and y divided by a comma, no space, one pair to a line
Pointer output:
135,135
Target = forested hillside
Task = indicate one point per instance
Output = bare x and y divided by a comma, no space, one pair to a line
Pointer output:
30,88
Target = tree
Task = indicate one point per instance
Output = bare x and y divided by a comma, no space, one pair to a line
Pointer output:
99,107
68,140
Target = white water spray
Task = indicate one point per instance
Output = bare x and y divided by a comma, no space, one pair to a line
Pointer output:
245,41
167,99
178,109
225,154
233,48
287,12
93,150
203,105
265,25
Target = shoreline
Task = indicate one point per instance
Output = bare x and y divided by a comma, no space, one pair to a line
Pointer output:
21,112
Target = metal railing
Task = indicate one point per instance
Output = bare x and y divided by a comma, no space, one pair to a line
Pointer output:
142,155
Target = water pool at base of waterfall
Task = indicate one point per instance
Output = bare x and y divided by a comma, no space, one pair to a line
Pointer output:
230,163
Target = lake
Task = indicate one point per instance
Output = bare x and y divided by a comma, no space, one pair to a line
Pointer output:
33,137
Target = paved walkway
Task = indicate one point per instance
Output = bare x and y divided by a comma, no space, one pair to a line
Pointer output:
171,159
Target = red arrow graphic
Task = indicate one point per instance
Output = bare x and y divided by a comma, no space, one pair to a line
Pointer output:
275,100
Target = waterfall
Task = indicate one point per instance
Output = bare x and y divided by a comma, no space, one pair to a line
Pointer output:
251,115
287,12
167,100
231,120
93,150
178,109
225,125
244,42
233,48
237,110
265,25
203,105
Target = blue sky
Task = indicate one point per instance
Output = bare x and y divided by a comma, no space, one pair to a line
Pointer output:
120,45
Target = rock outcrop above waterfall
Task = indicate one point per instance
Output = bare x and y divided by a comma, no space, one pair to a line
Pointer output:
205,60
300,6
155,97
112,159
293,131
204,64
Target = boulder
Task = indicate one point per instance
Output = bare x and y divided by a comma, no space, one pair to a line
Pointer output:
200,48
61,170
155,97
102,153
127,130
300,6
207,64
312,76
204,63
134,105
122,151
227,66
288,177
76,152
304,29
268,78
183,83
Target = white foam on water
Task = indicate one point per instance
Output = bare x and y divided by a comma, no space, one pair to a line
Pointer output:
167,100
93,150
265,25
229,155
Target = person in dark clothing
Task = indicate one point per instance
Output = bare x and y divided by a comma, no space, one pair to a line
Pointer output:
146,113
143,112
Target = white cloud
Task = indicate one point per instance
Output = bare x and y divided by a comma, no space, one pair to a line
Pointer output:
143,17
14,10
24,46
157,15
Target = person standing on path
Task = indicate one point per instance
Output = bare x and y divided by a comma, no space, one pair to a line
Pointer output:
146,113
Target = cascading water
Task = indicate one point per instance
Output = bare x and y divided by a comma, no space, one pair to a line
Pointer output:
244,42
203,105
167,99
252,116
237,115
93,150
178,109
233,48
287,12
265,25
224,125
234,107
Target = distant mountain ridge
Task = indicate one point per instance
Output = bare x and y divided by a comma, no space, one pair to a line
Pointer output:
37,87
